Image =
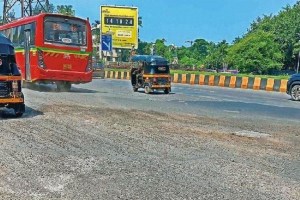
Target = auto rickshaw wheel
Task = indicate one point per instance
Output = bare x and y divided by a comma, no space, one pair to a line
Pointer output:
19,109
147,89
167,91
19,114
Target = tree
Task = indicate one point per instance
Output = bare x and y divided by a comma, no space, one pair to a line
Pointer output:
217,53
199,49
160,47
258,52
96,38
65,10
38,9
285,27
140,21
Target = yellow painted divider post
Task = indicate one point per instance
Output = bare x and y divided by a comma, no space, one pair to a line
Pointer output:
232,81
122,75
183,78
244,82
201,79
116,75
175,80
283,85
256,85
192,80
222,81
270,84
105,74
211,80
128,75
111,74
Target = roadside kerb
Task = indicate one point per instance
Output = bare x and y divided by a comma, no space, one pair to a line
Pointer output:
255,83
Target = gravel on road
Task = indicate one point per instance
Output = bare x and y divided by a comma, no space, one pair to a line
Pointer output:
65,148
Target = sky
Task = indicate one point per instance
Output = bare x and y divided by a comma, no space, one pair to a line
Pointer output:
178,21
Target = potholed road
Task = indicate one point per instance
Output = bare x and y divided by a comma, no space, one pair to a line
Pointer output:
103,141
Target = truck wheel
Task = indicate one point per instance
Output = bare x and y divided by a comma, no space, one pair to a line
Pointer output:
147,89
295,92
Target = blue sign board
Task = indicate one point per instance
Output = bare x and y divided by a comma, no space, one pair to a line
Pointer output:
106,43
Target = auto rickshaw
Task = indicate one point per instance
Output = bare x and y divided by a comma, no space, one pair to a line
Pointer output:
150,72
11,95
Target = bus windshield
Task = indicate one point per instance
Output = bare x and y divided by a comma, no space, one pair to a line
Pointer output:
65,31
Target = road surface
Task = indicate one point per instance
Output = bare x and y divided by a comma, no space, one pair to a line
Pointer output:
103,141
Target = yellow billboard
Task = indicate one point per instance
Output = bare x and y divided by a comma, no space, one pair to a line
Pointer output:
122,23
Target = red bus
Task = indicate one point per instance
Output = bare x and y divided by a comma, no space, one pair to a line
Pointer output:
52,48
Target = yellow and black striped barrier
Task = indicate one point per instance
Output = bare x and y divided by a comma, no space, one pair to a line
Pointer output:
254,83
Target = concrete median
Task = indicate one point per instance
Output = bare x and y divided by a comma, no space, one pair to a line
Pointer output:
255,83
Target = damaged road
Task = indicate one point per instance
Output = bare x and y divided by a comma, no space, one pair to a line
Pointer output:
82,145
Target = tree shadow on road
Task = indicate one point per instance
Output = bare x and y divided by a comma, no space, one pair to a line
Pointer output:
10,114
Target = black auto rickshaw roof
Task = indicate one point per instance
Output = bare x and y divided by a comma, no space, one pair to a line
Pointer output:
150,59
4,40
6,46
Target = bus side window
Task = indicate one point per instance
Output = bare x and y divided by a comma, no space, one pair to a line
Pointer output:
32,33
21,35
15,33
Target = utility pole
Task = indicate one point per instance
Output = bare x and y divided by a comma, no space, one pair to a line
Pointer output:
27,8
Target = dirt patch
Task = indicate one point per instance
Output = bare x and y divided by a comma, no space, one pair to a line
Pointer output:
90,152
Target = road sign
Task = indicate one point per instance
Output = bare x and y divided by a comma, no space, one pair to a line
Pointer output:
106,43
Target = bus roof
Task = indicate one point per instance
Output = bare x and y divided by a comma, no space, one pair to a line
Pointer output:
35,17
150,59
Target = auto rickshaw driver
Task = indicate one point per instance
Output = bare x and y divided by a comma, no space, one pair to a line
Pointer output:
137,74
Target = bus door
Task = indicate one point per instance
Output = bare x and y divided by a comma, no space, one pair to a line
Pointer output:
27,54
